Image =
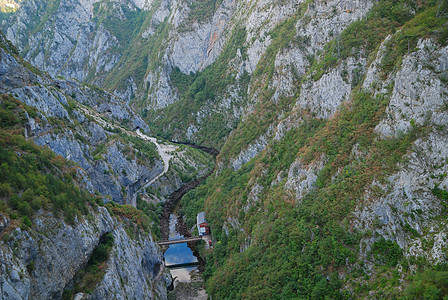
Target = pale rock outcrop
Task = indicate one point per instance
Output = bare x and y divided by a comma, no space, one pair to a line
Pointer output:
325,19
302,178
161,92
326,95
419,96
198,48
407,209
290,65
249,152
259,19
12,73
69,43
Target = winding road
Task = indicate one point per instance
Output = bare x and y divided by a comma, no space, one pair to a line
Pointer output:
164,150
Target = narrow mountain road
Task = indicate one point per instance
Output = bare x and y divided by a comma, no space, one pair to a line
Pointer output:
164,150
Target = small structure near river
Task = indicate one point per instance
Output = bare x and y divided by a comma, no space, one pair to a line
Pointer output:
202,224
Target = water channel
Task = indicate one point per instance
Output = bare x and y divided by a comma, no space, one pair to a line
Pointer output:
179,254
187,280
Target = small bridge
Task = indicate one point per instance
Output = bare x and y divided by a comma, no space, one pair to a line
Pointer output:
184,240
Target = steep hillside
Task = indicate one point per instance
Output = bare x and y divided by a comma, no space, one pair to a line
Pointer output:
71,39
67,149
93,128
343,193
123,46
330,117
183,64
55,239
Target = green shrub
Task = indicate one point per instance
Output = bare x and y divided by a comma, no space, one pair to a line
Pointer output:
36,203
431,284
14,201
28,195
102,251
131,213
30,267
24,208
5,189
41,177
153,212
7,118
26,221
386,252
441,194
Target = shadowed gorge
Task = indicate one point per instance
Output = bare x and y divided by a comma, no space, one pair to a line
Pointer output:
311,134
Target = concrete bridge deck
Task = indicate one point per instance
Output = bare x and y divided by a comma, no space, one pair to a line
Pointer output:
184,240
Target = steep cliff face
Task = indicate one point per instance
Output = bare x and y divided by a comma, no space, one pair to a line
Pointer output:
330,117
417,107
264,41
89,126
341,149
41,262
107,159
102,134
132,49
356,156
56,237
91,40
65,39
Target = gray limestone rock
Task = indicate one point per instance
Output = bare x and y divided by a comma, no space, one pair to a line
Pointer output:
418,99
250,152
12,73
60,102
4,222
301,179
58,250
419,94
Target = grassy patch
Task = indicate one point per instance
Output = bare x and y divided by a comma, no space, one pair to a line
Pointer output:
386,252
130,213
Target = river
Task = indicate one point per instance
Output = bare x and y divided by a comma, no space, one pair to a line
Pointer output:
187,281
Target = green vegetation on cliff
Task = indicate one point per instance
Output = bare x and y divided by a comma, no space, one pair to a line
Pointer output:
91,275
33,177
276,237
279,247
122,27
199,90
200,12
138,54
